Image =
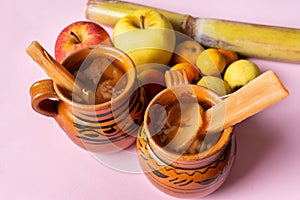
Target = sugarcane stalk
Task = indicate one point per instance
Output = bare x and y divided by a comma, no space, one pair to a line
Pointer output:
108,12
250,40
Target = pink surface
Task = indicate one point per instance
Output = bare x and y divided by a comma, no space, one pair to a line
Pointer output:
37,160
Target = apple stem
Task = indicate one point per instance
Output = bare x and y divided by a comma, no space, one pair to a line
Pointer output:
142,19
76,37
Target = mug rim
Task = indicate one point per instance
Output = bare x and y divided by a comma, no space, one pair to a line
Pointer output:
222,142
112,52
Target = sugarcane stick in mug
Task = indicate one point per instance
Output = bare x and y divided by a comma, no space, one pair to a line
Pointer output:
259,94
252,40
58,73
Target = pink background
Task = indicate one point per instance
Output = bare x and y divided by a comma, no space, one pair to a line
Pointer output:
37,160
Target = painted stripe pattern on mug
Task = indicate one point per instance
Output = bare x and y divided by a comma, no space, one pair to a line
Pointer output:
117,123
180,180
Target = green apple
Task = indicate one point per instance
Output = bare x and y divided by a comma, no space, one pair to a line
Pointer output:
146,36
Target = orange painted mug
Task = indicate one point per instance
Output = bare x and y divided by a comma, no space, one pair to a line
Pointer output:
184,175
106,127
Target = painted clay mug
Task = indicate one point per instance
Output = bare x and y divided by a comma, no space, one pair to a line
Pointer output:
184,175
106,127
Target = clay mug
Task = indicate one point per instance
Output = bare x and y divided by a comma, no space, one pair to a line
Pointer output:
106,127
184,175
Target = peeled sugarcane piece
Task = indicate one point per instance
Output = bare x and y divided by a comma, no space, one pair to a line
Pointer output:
252,40
58,73
259,94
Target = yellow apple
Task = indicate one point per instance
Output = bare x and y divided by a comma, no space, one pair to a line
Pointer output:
146,36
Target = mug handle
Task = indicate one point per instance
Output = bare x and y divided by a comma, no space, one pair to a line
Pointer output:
176,77
44,98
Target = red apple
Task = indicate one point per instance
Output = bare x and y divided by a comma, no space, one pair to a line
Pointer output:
78,35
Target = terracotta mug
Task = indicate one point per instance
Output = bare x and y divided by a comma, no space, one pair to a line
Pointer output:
186,175
106,127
